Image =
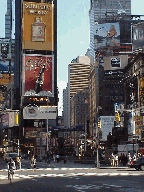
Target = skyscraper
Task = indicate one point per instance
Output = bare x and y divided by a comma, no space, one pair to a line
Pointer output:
104,11
8,20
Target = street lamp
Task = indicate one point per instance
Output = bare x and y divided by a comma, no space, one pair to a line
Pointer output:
97,137
41,124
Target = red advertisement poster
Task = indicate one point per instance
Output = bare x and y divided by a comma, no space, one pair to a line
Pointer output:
38,73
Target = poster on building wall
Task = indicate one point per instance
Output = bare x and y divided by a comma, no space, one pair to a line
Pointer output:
129,121
5,121
38,26
138,124
106,35
32,132
107,123
138,36
116,62
141,93
38,75
5,66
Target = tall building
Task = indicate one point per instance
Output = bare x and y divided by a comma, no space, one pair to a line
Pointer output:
80,107
105,11
65,106
8,20
78,73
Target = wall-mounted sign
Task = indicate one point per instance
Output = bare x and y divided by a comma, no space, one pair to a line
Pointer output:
38,26
38,100
39,112
116,62
5,121
38,75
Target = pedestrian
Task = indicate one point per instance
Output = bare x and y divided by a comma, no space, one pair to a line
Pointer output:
134,157
33,162
113,159
57,158
116,160
54,157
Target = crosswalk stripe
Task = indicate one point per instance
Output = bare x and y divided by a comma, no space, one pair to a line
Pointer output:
17,176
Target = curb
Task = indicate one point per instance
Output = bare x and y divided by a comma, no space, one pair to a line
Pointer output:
16,176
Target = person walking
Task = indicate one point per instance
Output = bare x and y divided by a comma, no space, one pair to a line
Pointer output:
33,162
116,160
57,158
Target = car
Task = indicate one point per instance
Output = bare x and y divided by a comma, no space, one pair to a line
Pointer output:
7,156
138,164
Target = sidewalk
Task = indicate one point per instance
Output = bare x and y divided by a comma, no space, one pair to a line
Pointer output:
26,164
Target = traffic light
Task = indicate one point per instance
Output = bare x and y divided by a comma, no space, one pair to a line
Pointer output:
117,117
99,124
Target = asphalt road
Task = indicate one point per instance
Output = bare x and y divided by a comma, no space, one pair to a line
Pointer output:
71,177
76,184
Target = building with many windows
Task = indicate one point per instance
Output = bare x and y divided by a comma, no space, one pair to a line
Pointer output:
78,73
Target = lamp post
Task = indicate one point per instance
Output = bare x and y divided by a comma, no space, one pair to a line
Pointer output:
97,137
41,123
47,135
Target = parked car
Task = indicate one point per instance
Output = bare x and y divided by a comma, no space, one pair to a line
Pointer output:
138,164
7,156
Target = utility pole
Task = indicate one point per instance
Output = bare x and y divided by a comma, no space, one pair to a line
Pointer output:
47,134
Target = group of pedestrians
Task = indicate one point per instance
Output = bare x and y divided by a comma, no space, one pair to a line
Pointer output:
123,159
114,160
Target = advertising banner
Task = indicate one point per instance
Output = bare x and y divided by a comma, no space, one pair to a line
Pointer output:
138,36
32,132
107,35
5,66
5,79
41,112
107,122
5,121
38,26
37,75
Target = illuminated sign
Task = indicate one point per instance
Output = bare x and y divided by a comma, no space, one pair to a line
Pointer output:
38,100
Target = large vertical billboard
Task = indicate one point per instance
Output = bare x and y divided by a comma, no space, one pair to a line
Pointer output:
38,75
107,36
138,36
38,26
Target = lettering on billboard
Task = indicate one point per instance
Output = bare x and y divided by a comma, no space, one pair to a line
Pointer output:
116,62
107,35
37,75
38,30
41,112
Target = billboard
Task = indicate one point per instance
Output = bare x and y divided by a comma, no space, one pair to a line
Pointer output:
107,36
5,79
5,121
41,112
38,76
38,26
5,67
107,123
138,36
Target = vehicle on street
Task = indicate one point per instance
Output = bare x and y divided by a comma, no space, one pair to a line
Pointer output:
138,164
7,156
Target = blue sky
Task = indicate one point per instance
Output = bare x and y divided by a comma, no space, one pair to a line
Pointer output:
73,32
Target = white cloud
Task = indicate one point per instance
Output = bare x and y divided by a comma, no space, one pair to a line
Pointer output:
61,85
